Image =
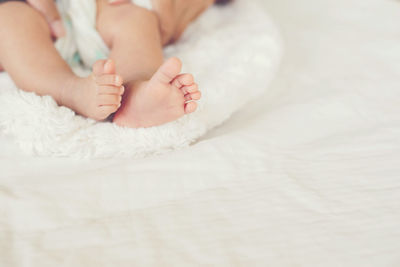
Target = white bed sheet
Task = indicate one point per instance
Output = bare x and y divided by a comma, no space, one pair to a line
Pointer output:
308,175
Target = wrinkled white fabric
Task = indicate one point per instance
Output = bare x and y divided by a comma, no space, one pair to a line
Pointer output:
306,176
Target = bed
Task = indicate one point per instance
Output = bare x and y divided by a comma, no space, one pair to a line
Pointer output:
307,175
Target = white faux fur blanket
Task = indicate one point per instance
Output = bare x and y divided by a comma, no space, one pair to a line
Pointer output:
233,52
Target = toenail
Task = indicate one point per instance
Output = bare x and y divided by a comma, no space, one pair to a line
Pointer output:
194,87
190,78
108,62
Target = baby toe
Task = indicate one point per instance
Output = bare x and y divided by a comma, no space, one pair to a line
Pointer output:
109,67
183,80
193,96
186,79
111,90
101,67
190,107
98,67
109,79
190,89
196,95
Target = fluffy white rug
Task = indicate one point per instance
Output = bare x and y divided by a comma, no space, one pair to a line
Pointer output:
233,52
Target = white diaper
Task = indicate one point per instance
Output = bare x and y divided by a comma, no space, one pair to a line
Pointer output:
82,43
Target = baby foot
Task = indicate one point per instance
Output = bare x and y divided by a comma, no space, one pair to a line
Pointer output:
166,97
98,95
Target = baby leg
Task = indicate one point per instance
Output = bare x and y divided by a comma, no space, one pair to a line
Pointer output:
27,53
156,92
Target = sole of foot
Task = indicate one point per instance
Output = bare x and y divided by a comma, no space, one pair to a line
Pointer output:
166,97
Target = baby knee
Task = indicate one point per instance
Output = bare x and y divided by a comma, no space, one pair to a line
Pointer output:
15,13
11,9
116,20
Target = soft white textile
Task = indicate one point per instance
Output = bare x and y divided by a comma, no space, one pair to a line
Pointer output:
211,49
307,175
